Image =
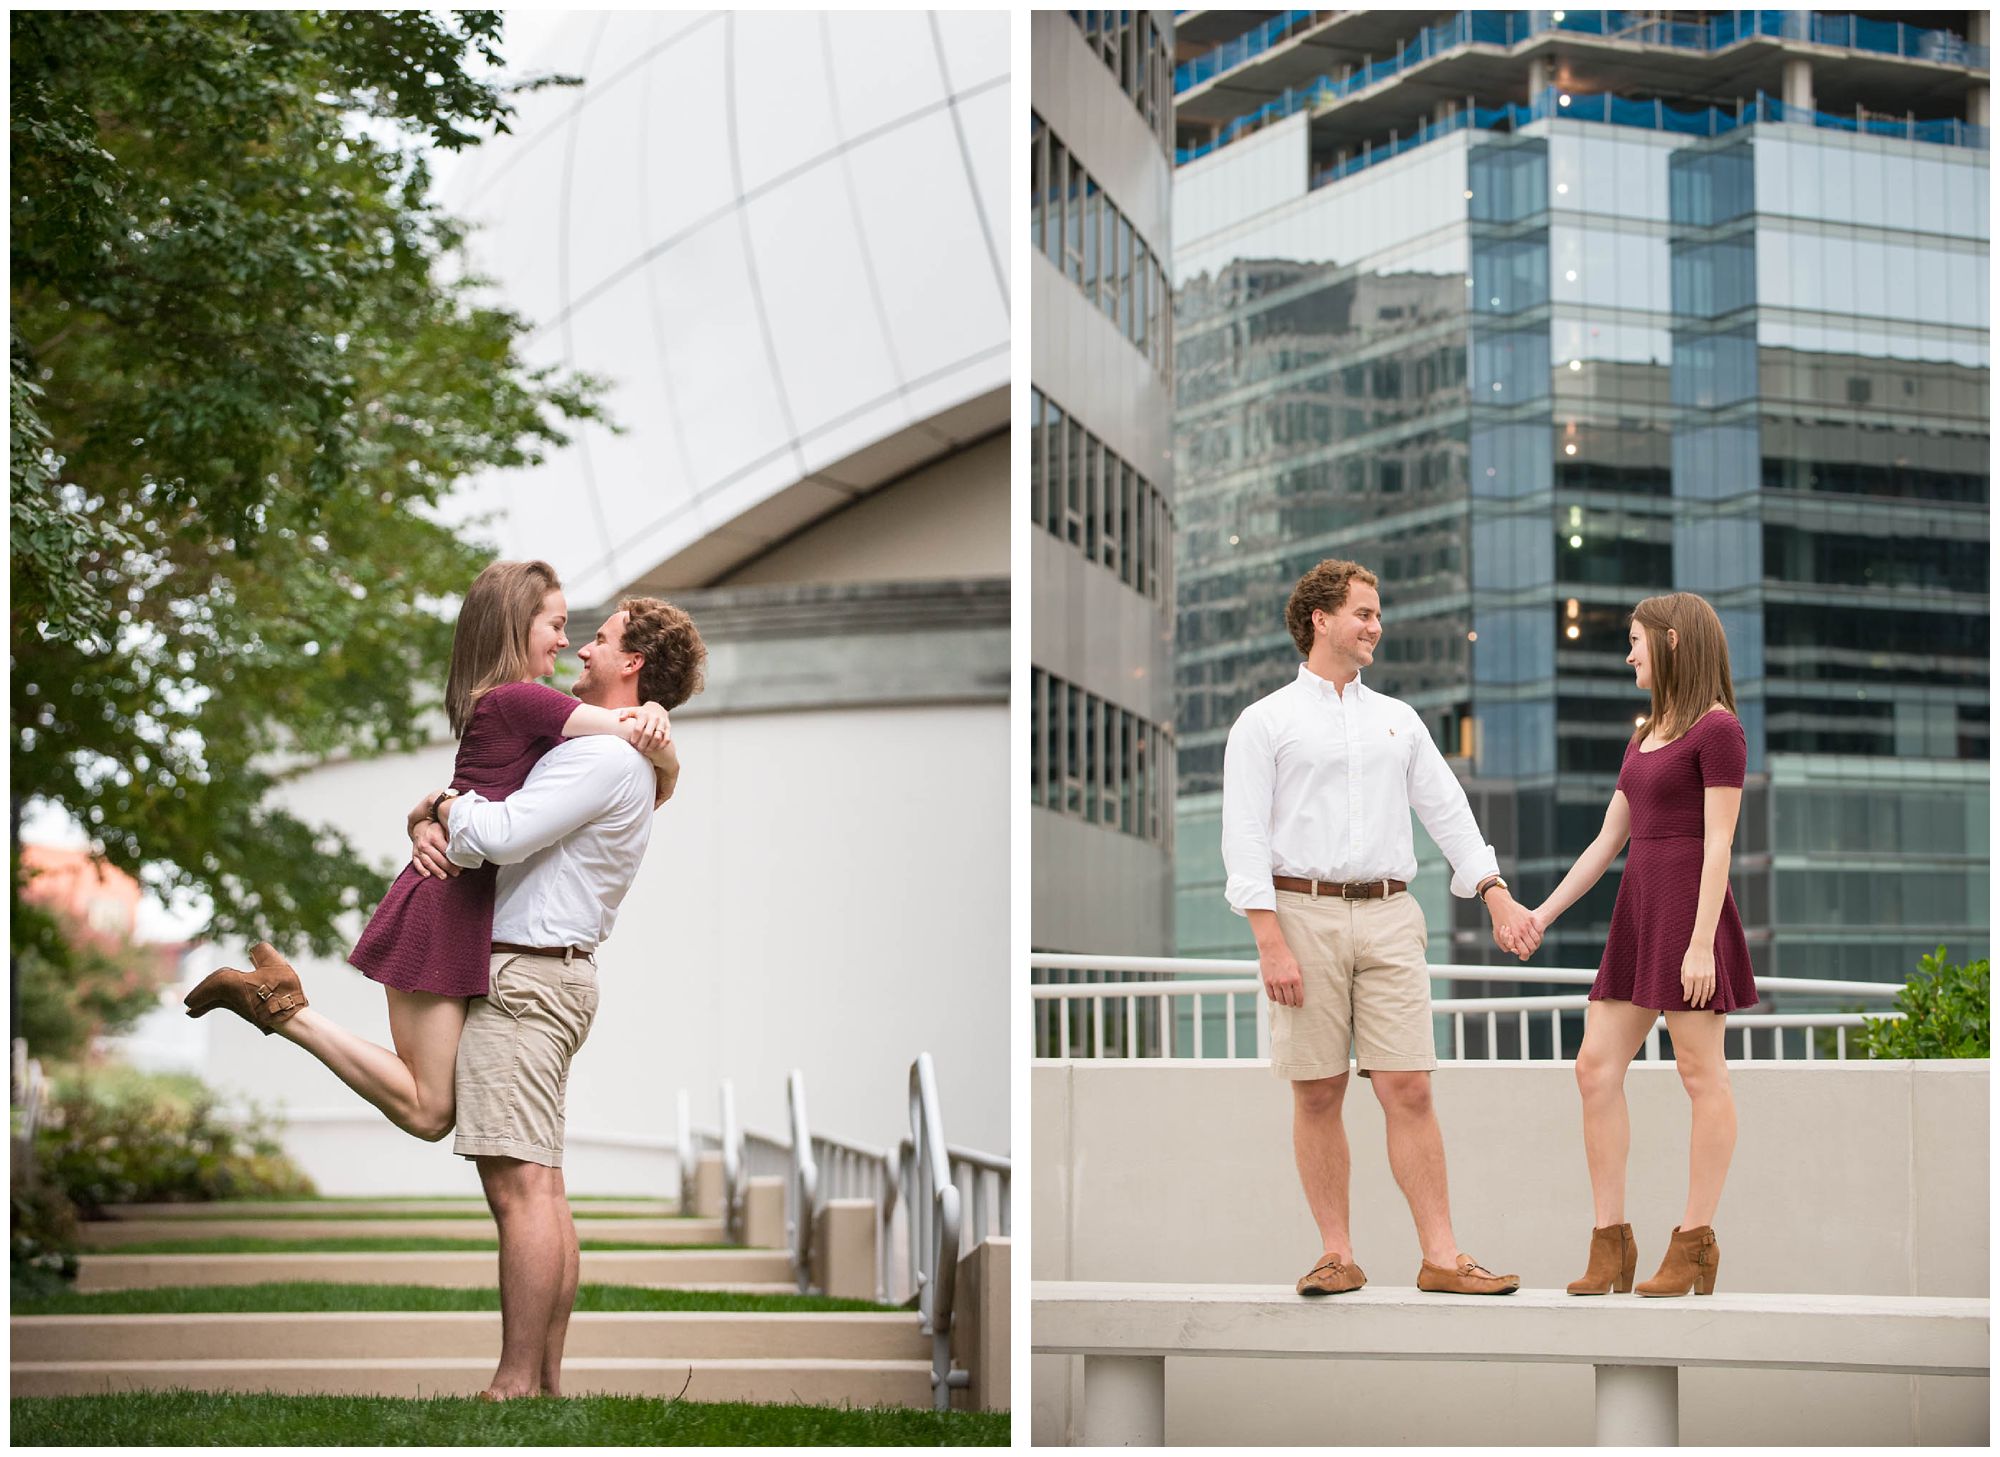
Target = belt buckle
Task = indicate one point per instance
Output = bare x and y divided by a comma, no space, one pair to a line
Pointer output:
1347,893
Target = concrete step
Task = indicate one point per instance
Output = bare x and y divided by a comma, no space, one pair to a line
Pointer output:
454,1335
815,1382
110,1233
720,1269
360,1208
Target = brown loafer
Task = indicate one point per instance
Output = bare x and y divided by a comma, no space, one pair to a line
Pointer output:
1332,1277
1470,1278
268,994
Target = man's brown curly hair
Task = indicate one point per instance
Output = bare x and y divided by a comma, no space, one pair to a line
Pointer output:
665,637
1323,589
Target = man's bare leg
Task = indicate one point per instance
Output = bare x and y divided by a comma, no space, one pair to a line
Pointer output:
1319,1144
552,1357
531,1268
1416,1157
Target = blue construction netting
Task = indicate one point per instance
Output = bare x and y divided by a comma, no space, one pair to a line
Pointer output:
1234,53
1712,121
1510,27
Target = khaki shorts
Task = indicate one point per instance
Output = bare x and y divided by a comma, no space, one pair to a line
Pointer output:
1361,965
513,1057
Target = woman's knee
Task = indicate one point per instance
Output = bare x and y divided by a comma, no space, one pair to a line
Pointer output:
1703,1077
1597,1076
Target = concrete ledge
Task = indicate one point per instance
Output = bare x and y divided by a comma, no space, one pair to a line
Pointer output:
726,1269
110,1233
1898,1334
365,1335
819,1382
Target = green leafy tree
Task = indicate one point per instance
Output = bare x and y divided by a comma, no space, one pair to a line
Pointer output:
1947,1012
247,360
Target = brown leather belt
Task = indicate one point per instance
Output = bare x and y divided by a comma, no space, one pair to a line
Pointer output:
1360,890
558,953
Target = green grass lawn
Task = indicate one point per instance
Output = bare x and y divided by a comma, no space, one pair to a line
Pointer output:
308,1297
358,1245
181,1419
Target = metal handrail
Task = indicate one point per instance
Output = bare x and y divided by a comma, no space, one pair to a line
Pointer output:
933,1221
1225,968
733,1174
804,1187
31,1088
1523,1007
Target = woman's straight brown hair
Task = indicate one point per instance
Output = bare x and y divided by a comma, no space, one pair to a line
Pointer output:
1690,678
490,644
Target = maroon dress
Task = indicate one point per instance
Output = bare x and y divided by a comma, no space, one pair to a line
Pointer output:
1653,921
432,935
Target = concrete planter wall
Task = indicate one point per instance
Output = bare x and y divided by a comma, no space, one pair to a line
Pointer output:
1863,1178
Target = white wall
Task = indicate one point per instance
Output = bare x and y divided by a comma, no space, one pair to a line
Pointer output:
1863,1178
889,939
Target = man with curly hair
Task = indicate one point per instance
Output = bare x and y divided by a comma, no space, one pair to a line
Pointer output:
1318,783
568,844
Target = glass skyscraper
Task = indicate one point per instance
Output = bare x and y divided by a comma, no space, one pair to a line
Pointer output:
1539,313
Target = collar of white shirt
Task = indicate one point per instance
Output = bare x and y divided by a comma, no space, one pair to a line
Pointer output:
1320,687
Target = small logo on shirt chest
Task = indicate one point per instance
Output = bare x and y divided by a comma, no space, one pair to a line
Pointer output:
1392,733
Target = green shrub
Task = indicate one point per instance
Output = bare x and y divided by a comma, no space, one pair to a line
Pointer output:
42,1251
115,1136
1946,1011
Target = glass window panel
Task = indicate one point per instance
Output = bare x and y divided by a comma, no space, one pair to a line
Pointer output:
1073,516
1093,199
1037,462
1090,768
1093,451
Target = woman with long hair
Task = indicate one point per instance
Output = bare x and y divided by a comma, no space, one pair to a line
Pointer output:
1676,943
430,940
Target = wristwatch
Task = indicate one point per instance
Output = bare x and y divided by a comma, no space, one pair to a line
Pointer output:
437,819
1488,884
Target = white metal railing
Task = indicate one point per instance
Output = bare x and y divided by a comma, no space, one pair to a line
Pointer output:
802,1192
734,1175
1233,981
932,1210
30,1088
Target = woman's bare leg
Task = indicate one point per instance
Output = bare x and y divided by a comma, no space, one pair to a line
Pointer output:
1712,1139
413,1086
1612,1035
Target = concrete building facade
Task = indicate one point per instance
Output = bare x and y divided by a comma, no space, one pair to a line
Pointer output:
1101,481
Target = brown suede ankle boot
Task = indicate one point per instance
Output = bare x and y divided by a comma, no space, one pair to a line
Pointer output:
1614,1258
1690,1264
263,997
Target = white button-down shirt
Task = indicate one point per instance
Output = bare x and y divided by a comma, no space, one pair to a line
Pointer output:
568,842
1319,782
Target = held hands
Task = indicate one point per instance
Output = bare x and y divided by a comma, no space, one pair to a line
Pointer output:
1515,930
1698,975
427,846
646,727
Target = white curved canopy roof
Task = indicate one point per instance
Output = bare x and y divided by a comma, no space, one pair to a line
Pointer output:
781,239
